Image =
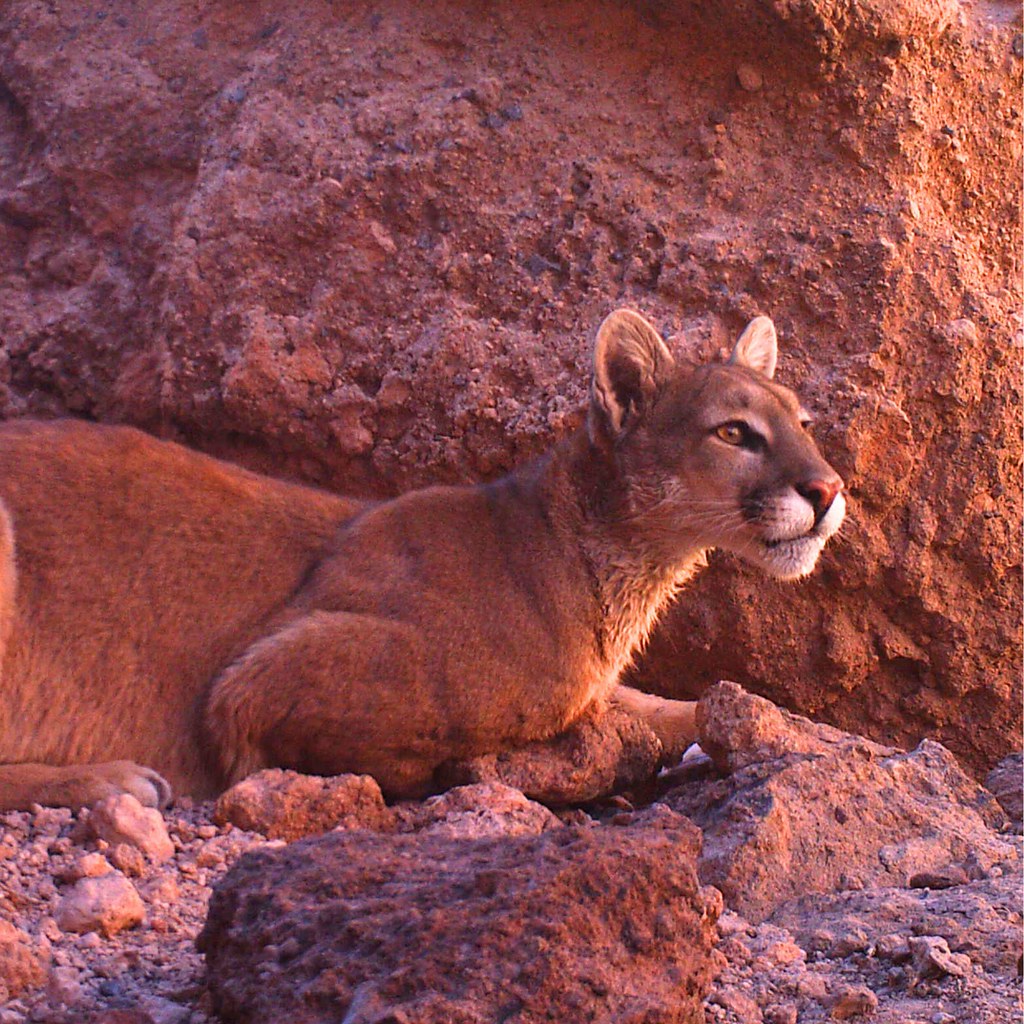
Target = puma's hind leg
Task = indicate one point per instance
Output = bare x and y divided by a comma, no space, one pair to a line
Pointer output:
81,785
674,722
331,692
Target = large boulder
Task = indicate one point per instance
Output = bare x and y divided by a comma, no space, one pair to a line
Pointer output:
369,247
808,809
575,924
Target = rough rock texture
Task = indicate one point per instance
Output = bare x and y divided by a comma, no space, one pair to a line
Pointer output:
817,954
286,805
122,821
596,756
475,812
738,729
980,918
581,924
23,961
1006,783
807,814
152,974
876,946
108,903
369,245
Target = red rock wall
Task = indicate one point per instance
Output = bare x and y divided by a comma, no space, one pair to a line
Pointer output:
368,245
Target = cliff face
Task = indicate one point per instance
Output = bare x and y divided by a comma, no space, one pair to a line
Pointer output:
368,244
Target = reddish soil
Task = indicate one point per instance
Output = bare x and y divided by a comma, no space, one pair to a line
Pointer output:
368,246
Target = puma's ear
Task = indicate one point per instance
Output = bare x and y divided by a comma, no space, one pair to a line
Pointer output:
631,362
758,347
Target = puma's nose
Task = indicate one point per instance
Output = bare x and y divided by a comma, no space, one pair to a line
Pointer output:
821,494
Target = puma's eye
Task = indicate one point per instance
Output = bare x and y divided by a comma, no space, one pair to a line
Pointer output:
731,433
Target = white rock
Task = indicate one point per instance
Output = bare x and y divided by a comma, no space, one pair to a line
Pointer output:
932,957
122,819
107,904
163,1011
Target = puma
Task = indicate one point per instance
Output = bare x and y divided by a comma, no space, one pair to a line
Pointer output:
166,609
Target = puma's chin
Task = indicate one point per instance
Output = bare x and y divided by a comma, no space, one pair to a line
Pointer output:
790,559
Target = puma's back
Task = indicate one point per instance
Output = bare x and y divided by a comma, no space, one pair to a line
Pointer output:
139,569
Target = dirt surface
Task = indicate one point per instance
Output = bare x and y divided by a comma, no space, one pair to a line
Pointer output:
368,247
901,906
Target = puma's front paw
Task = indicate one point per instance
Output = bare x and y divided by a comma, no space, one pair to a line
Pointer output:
112,777
79,785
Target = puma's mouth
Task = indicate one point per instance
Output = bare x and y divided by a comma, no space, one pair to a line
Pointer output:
779,542
792,557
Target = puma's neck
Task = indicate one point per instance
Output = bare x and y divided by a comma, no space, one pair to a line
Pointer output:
633,581
634,590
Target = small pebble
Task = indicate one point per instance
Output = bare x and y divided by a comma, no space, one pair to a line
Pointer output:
854,1001
63,986
750,79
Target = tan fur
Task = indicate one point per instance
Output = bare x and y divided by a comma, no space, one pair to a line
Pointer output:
160,607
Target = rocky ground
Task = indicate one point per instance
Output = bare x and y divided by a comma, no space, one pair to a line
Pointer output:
811,876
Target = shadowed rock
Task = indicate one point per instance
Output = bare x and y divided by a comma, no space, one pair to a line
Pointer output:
810,809
595,757
575,924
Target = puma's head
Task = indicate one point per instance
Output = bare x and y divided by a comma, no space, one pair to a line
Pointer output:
717,457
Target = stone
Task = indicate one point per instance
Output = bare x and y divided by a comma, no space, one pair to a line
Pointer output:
750,79
595,923
854,1001
128,859
598,755
943,878
855,940
983,917
892,947
807,806
23,963
88,865
477,811
738,729
1006,783
107,904
932,957
164,1011
121,819
63,986
741,1008
287,805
